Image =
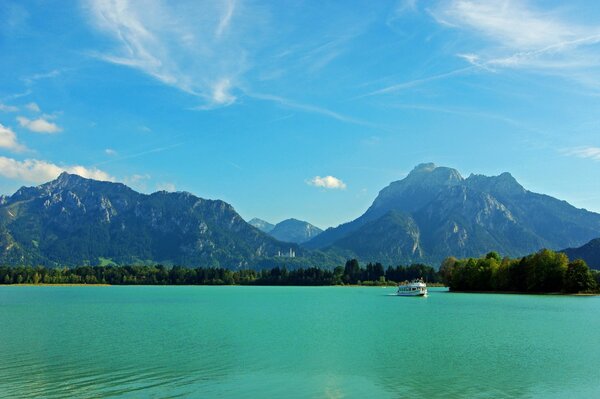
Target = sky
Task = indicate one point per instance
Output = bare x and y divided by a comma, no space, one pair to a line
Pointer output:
301,109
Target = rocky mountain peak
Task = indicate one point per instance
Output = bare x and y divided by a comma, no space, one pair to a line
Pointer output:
501,185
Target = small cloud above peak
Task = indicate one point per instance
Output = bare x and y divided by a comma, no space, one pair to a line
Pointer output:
328,182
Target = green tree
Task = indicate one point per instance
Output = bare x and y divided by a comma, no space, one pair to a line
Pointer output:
578,277
352,271
494,255
446,269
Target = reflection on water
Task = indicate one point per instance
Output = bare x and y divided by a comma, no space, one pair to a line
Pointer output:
328,342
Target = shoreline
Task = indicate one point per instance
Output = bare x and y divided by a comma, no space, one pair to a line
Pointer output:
527,293
580,294
198,285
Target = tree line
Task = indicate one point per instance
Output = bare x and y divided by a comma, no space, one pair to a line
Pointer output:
351,273
542,272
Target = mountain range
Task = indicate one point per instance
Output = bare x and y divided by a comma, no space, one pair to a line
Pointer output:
429,215
434,213
77,221
289,230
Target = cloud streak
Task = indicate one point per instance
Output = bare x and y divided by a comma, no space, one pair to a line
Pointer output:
592,153
310,109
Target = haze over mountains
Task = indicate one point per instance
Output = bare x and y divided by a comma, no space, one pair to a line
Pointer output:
432,213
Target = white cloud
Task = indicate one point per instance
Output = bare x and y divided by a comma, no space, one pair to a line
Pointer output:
166,186
33,107
328,182
39,125
8,140
8,108
195,49
221,93
584,152
110,151
39,171
521,35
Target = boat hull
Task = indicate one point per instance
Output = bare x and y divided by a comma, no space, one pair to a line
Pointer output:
412,293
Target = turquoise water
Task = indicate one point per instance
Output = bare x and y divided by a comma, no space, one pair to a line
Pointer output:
267,342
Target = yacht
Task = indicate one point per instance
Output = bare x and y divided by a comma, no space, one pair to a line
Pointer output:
416,287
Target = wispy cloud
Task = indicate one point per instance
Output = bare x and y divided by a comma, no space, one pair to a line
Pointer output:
225,18
518,35
39,171
416,82
194,49
8,108
39,125
310,109
592,153
33,107
328,182
110,152
8,140
166,186
137,181
31,79
138,154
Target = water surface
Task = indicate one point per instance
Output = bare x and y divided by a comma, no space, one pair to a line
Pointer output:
315,342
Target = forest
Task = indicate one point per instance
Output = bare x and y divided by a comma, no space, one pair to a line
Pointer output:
543,272
350,274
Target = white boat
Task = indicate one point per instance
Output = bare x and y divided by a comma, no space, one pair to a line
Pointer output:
413,288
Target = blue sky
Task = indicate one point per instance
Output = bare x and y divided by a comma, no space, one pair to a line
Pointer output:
300,109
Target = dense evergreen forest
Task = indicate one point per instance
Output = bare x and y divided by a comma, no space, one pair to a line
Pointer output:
542,272
351,273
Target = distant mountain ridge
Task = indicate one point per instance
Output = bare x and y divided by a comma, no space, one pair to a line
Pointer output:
289,230
294,230
262,225
589,252
78,221
434,212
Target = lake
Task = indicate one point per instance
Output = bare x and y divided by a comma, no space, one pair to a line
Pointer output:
294,342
